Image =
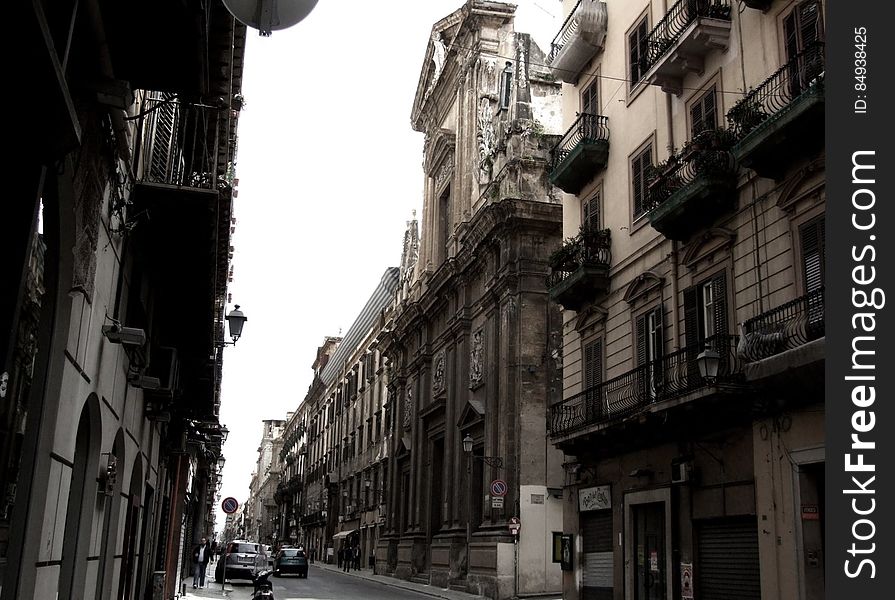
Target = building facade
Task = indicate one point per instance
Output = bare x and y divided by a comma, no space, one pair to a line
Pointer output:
692,280
111,438
262,513
472,342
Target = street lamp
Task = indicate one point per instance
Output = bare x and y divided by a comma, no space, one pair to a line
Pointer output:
709,362
491,461
377,493
236,319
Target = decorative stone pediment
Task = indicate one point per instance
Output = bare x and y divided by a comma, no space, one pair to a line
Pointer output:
473,414
589,318
806,182
642,285
706,245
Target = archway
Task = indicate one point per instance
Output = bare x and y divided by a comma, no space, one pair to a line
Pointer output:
81,502
131,532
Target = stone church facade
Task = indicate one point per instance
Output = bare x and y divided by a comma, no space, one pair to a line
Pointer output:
472,347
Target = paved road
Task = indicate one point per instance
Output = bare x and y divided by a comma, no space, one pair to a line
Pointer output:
323,584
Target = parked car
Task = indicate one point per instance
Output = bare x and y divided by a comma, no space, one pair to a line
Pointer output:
291,560
242,560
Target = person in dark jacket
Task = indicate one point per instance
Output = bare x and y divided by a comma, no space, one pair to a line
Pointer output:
201,556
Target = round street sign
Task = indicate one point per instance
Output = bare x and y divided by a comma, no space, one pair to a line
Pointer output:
229,505
514,525
498,487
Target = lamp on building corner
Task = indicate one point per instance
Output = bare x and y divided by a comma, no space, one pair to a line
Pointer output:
236,320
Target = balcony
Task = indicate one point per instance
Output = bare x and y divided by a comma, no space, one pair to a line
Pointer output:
681,40
578,41
649,388
783,348
783,117
581,153
693,187
579,270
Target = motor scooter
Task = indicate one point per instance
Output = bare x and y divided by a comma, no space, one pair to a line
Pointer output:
263,588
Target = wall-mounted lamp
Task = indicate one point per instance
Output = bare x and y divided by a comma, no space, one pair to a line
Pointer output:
709,362
491,461
236,319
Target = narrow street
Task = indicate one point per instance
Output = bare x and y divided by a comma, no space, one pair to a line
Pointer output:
327,583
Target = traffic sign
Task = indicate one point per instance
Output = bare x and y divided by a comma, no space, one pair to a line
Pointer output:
514,525
229,505
497,502
498,487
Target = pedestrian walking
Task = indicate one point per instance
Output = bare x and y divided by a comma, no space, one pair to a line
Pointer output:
357,558
201,556
341,557
348,559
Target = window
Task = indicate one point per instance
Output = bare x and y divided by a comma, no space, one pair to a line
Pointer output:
593,364
802,30
589,104
640,166
637,52
650,349
590,212
444,221
506,85
813,253
703,113
705,310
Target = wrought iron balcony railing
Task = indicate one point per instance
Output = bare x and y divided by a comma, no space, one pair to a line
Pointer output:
591,247
803,73
783,328
668,377
587,128
179,143
582,34
707,155
680,16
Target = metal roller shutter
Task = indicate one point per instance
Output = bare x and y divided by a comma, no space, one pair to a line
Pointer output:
597,563
727,565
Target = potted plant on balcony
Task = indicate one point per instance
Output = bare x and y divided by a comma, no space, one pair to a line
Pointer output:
566,257
746,115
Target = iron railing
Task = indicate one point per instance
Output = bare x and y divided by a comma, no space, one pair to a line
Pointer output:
570,28
591,247
586,128
667,32
668,377
783,328
179,142
707,155
803,73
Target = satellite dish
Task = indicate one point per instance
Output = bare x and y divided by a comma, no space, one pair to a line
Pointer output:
269,15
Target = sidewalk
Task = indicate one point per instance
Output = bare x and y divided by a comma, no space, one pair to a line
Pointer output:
420,588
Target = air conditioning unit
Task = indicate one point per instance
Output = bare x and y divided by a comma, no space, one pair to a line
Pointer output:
164,366
681,470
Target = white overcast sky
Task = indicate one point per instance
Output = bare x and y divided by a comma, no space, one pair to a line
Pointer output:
329,171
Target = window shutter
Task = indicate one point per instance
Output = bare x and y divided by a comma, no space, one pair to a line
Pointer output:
691,315
813,253
639,167
591,213
809,23
640,341
696,119
593,364
719,296
660,342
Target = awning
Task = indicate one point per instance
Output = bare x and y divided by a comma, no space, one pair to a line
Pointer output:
343,534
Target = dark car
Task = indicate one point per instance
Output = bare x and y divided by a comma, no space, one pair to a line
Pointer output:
291,560
242,559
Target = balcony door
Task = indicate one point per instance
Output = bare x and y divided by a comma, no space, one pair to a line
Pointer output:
802,31
650,346
812,238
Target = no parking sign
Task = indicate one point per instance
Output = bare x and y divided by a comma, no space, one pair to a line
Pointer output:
229,505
